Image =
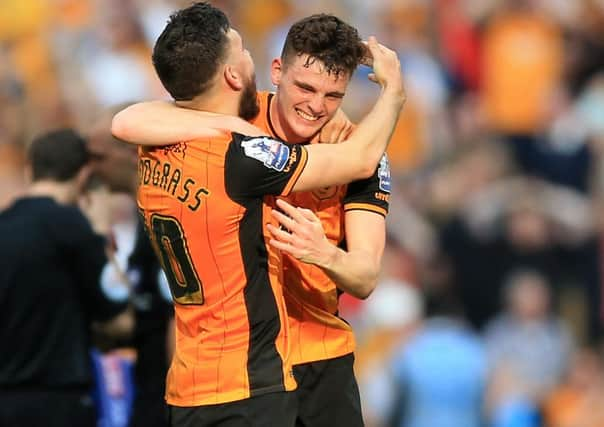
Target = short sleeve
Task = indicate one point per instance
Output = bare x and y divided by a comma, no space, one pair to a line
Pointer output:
259,166
371,194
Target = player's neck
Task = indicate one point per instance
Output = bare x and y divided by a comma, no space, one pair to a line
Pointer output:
218,103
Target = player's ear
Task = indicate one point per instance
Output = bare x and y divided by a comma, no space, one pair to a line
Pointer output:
276,70
233,78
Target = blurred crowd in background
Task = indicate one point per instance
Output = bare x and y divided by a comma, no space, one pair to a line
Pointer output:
490,303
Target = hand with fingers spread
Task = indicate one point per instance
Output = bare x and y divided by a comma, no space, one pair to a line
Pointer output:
301,235
355,270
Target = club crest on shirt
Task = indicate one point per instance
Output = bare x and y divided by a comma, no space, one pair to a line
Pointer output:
272,153
384,174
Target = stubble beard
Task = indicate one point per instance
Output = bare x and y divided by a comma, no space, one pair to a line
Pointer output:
248,104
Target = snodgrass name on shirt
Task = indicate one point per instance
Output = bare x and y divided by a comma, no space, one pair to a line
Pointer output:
170,179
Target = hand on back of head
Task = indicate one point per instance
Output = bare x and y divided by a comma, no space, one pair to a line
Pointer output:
386,66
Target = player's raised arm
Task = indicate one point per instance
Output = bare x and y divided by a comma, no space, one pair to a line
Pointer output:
359,156
163,123
261,165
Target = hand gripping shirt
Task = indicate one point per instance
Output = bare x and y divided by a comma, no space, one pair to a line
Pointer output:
317,332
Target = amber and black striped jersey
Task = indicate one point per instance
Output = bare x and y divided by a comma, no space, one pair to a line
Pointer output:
202,203
317,332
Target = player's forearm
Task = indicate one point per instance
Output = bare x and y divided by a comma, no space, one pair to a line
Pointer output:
353,272
358,157
373,133
156,123
371,137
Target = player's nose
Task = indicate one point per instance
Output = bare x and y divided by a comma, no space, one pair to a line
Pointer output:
316,104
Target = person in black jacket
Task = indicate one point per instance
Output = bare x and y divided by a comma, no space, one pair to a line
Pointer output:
51,259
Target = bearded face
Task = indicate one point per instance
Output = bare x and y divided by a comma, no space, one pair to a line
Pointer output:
248,103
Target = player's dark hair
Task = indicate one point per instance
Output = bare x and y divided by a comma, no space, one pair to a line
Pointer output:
189,51
57,155
325,38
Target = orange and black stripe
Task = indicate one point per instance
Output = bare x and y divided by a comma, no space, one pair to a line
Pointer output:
203,208
317,332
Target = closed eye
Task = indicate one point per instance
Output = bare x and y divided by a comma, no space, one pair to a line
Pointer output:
304,87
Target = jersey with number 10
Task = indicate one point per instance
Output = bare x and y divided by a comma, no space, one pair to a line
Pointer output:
203,209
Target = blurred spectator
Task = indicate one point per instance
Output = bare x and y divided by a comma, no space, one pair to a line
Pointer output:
560,153
24,26
105,62
517,223
585,45
528,348
390,316
12,129
440,372
577,401
382,323
459,44
50,290
522,65
117,66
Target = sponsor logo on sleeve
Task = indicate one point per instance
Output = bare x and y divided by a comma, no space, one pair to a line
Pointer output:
384,174
272,153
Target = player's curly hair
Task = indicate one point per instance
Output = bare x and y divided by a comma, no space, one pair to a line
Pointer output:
325,38
189,51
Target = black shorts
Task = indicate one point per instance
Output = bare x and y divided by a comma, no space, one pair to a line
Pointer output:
328,394
149,410
267,410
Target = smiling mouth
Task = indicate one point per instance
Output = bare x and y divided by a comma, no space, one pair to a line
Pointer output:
306,116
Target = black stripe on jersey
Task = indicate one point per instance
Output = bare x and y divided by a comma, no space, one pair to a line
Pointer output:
265,367
268,117
247,176
367,192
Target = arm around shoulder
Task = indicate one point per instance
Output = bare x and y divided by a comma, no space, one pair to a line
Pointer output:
158,123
